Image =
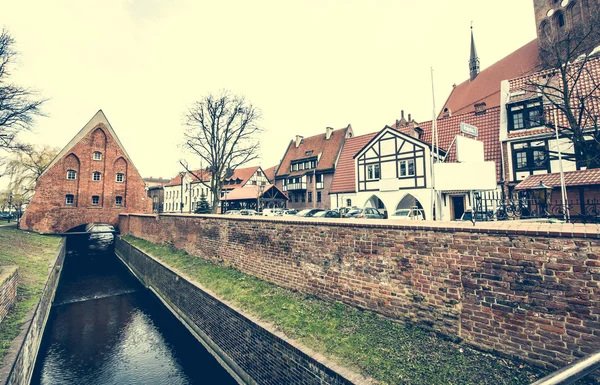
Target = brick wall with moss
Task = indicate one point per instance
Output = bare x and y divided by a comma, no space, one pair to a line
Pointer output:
527,292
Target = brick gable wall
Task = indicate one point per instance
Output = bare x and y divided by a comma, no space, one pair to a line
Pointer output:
48,211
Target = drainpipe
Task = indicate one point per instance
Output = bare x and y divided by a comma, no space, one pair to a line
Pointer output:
181,189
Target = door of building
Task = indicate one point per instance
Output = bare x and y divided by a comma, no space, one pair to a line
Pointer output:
458,207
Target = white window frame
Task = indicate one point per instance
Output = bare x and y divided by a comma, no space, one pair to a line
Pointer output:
74,173
371,171
72,199
97,200
117,199
120,174
94,176
406,168
97,155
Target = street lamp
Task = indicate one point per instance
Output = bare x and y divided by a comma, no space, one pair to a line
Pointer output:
261,189
542,194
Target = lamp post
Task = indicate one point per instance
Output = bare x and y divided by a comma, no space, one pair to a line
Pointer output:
541,196
261,188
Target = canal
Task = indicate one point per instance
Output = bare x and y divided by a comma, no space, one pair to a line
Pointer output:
106,328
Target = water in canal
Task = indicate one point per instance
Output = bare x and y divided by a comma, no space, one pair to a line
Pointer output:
105,328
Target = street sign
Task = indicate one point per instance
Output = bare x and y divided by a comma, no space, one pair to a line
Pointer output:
469,129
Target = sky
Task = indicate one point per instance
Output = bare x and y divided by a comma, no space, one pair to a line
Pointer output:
306,65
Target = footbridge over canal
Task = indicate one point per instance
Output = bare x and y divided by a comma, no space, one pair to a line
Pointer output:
92,180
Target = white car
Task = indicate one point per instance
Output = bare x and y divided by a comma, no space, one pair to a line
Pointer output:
408,215
272,212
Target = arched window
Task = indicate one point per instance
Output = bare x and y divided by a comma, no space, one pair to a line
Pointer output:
559,20
97,155
120,177
71,174
96,176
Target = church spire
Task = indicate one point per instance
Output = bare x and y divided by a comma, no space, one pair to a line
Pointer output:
474,60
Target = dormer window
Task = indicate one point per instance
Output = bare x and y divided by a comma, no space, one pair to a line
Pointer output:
526,114
97,155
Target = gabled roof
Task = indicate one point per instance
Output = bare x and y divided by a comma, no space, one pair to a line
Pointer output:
572,178
205,175
485,88
242,174
270,173
345,175
328,149
488,125
251,192
98,118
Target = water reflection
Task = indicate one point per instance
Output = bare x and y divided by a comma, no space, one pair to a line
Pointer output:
105,328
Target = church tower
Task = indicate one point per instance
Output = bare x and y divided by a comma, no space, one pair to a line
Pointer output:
473,60
557,20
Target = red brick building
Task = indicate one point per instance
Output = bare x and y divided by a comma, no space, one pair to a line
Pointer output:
91,180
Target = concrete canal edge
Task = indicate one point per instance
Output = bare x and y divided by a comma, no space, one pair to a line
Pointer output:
252,350
20,359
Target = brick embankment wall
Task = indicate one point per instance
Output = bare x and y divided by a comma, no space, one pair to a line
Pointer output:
9,280
524,290
20,360
254,353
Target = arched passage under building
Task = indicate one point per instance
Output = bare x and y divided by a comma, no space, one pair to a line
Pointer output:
377,203
409,202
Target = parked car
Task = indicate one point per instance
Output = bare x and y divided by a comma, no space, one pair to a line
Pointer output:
327,214
248,212
367,212
308,212
6,216
232,212
290,212
409,214
272,212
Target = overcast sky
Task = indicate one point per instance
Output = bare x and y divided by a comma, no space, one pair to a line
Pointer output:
306,64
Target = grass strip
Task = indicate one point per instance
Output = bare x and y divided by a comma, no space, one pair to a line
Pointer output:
389,352
33,253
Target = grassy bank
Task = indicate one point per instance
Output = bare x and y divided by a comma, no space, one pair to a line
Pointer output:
388,352
33,253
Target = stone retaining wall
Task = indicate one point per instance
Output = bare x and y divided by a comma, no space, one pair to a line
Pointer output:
529,291
20,361
9,280
254,353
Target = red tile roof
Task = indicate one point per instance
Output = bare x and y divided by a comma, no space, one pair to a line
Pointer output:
270,173
243,174
523,88
345,173
488,125
205,175
329,150
249,192
486,86
572,178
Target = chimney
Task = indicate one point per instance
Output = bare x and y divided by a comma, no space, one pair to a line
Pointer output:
298,140
328,132
414,131
409,118
402,120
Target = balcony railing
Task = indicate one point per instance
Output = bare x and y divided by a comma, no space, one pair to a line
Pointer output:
296,186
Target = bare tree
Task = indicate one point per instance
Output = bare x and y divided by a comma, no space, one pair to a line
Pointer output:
24,167
18,105
223,131
568,82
